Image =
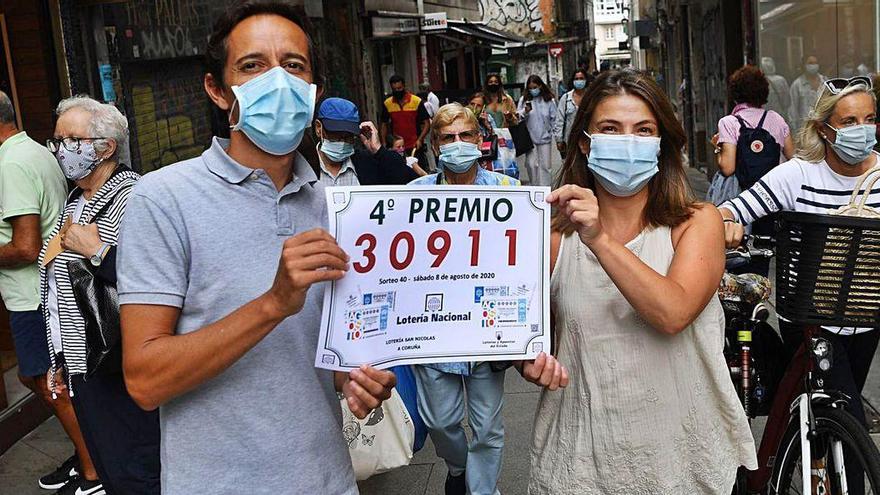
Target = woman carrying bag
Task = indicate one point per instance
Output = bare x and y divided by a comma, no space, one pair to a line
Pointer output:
537,108
78,294
834,152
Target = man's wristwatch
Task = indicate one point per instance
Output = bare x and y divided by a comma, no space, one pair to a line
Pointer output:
98,257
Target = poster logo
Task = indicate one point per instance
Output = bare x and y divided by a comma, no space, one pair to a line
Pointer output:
433,303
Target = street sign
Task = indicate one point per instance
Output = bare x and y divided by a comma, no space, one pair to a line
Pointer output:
388,27
555,49
434,22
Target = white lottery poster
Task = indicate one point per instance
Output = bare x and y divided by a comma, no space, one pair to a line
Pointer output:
437,274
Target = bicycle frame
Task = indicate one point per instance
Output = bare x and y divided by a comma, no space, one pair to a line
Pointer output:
794,401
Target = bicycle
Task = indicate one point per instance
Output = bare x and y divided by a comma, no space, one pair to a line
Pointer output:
805,419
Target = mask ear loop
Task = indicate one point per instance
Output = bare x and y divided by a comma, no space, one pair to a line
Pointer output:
231,111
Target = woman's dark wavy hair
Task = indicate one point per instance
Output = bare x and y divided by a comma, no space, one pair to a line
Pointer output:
546,93
238,11
670,198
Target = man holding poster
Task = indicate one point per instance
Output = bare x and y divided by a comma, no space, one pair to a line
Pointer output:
448,278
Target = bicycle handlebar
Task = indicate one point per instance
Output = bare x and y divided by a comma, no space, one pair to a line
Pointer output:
748,250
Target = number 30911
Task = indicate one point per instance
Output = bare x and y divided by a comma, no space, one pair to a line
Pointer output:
401,251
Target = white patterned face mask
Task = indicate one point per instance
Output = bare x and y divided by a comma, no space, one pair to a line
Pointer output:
80,163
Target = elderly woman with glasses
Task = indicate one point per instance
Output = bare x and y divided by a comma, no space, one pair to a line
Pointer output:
122,439
835,147
473,467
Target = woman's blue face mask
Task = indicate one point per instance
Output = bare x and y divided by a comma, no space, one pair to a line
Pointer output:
854,143
623,163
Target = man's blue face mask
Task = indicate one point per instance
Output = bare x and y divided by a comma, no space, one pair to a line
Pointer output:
274,110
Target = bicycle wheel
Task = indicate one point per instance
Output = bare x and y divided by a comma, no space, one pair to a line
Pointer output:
861,457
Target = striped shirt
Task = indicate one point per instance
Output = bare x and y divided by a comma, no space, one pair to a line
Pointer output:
799,185
796,185
73,338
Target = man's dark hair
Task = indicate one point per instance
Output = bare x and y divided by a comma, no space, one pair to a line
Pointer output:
215,52
748,85
396,79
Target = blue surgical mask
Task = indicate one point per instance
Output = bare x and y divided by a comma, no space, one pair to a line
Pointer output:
459,156
274,110
337,151
623,163
580,83
535,92
854,144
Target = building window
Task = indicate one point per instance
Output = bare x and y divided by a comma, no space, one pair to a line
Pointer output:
611,33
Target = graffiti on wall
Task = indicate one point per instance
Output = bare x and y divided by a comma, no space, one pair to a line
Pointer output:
162,13
522,17
167,42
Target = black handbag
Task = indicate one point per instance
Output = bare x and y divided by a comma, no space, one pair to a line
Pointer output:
522,140
98,302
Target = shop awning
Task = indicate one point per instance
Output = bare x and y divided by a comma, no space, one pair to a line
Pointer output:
486,35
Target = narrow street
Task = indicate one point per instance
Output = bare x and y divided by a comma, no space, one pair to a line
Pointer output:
44,448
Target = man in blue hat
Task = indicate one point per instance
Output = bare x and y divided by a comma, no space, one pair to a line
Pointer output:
338,127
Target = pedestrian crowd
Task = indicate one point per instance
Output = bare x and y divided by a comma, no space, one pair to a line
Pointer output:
201,378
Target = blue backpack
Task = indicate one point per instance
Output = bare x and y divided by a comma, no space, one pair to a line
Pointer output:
756,152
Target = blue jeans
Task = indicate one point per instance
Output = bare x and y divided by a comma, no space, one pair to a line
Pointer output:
441,404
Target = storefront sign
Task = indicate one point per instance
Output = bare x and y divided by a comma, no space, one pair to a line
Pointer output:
438,274
434,22
388,27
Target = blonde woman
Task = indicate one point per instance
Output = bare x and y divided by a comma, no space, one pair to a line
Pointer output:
475,465
834,149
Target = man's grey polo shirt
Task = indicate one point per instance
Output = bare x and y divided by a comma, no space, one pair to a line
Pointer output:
205,235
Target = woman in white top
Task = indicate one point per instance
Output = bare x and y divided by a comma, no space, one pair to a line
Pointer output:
834,149
537,107
650,407
568,107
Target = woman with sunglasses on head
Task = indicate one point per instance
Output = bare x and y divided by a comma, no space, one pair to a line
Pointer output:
474,467
835,147
649,407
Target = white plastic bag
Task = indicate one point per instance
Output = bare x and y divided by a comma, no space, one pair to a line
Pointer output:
380,442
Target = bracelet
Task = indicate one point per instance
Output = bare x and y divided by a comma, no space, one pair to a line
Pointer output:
730,220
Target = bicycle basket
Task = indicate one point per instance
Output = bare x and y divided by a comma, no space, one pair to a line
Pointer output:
828,269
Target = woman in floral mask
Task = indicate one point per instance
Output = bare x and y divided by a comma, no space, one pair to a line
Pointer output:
122,439
649,407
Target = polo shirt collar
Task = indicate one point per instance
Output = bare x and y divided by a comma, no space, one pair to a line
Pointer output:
21,136
223,166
